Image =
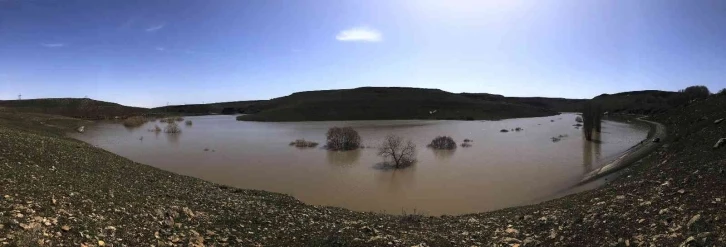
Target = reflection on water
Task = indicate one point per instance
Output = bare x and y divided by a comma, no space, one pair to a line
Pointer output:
343,158
499,170
173,138
442,154
396,181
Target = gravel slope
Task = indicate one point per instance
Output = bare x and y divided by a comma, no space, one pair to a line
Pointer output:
56,191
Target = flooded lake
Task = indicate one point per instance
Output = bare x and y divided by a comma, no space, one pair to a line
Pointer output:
499,170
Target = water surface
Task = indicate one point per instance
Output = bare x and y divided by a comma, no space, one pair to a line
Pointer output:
499,170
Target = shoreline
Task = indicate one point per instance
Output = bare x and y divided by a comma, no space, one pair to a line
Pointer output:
58,190
631,155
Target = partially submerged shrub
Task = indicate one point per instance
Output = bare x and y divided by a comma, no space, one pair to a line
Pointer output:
134,121
465,145
468,140
442,142
166,120
396,152
172,128
342,139
156,129
179,119
302,143
504,131
188,122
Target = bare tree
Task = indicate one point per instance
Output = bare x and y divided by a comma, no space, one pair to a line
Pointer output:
396,152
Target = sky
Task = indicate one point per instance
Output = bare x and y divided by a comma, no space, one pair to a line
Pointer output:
152,53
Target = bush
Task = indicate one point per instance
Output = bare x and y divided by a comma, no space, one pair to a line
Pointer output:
342,139
302,143
443,142
179,119
134,121
397,153
465,145
696,92
172,128
722,92
468,140
188,122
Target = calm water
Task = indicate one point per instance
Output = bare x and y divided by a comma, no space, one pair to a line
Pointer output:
499,170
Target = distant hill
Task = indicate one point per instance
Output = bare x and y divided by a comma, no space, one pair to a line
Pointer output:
641,102
383,103
633,102
554,104
234,107
73,107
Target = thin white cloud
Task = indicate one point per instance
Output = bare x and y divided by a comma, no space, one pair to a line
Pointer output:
160,49
359,34
53,45
155,28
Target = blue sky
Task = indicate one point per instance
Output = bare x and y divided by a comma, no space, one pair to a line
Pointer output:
149,52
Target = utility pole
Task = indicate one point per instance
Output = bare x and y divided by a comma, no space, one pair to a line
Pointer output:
20,96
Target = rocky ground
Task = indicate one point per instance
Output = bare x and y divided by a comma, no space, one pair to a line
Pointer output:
56,191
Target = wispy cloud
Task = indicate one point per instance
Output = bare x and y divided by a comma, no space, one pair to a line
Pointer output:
155,28
53,45
160,49
360,34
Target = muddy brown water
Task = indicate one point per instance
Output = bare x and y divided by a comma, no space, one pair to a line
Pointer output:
499,170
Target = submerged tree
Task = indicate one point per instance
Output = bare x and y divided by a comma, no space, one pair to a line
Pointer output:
397,153
591,118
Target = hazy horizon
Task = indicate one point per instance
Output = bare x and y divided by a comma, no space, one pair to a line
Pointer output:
148,53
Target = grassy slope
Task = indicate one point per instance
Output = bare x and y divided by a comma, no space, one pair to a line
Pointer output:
370,103
101,196
73,107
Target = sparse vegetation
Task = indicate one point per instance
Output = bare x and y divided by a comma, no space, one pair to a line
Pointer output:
342,139
302,143
134,121
465,145
468,140
172,128
442,142
179,119
396,152
504,131
188,122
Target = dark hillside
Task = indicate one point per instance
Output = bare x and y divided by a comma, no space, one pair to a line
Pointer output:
379,103
73,107
554,104
641,102
234,107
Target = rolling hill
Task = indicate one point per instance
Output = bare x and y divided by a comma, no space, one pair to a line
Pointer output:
234,107
385,103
